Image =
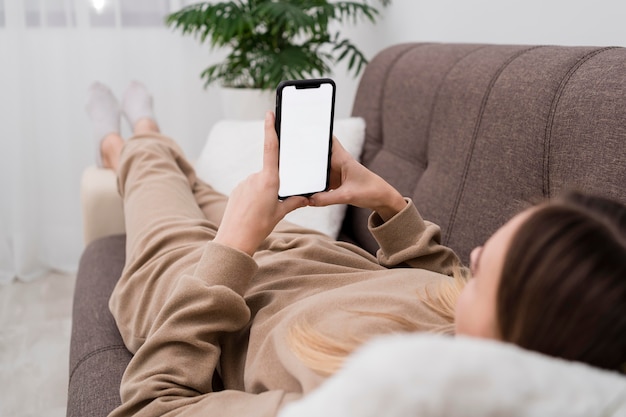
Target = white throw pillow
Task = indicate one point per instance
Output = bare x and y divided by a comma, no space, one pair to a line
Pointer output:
234,150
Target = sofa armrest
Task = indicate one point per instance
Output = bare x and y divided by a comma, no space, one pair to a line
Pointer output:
101,204
98,356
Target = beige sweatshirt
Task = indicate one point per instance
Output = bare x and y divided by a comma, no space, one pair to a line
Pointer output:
232,314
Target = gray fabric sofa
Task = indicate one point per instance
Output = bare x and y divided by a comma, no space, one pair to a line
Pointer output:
471,132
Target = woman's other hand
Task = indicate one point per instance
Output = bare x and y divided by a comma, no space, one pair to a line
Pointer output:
352,183
253,208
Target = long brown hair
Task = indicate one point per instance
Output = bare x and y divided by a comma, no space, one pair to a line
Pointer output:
563,286
326,355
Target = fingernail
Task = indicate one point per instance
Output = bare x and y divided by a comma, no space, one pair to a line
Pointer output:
268,116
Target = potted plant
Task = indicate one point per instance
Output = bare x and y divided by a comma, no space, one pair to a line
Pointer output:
271,40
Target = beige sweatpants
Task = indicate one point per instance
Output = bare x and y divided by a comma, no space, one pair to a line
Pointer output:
170,215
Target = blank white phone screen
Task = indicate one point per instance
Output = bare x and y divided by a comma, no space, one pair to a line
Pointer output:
305,129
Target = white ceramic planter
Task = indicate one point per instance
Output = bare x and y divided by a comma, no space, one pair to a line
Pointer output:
246,103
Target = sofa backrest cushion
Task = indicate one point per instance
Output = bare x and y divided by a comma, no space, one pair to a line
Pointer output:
474,133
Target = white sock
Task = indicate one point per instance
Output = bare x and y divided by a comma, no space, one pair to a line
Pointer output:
104,112
137,103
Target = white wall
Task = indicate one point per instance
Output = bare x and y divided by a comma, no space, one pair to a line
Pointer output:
574,22
558,22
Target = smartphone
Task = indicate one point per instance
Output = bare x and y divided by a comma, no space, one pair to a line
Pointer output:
305,111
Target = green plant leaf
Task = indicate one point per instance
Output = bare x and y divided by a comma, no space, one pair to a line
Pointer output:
271,40
285,19
354,11
357,58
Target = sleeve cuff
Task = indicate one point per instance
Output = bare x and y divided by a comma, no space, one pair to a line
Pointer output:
223,265
399,232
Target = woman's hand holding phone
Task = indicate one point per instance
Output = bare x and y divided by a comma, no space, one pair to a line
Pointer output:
253,210
352,183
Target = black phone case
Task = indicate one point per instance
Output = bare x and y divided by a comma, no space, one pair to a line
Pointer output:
309,83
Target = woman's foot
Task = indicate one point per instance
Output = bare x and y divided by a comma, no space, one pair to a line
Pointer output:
104,112
138,108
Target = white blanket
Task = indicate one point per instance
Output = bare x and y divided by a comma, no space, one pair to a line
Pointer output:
427,376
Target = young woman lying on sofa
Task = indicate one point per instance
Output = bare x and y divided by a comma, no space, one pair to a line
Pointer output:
219,292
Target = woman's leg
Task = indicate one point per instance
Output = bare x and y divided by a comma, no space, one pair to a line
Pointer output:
166,230
138,108
137,104
211,202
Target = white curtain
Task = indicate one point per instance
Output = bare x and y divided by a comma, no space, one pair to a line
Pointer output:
50,52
